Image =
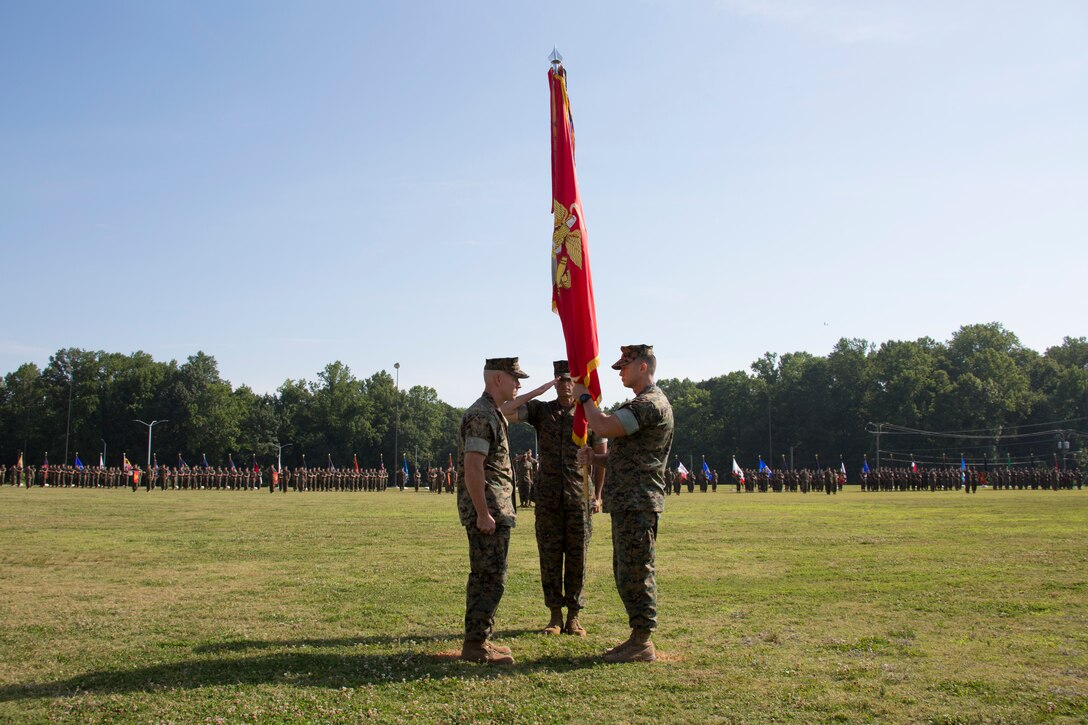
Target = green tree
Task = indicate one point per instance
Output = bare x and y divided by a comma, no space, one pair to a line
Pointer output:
22,407
204,415
909,382
990,389
340,413
691,411
380,389
736,399
132,387
425,429
259,424
295,426
71,386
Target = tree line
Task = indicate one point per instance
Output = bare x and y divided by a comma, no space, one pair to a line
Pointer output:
994,402
1017,406
92,401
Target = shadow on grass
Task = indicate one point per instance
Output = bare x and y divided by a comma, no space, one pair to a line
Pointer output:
385,641
295,669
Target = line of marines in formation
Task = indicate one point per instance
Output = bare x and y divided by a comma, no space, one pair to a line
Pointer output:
803,480
211,478
437,479
952,478
527,468
831,481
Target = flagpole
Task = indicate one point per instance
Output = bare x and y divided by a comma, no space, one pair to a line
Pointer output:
557,65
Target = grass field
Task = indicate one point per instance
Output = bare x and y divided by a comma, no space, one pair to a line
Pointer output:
207,606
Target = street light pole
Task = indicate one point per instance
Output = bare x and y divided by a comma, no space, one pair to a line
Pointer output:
279,454
396,421
150,425
68,427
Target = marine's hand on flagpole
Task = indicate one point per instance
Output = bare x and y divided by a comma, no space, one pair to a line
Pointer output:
585,456
579,389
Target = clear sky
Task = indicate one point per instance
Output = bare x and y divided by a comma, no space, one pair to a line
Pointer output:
283,185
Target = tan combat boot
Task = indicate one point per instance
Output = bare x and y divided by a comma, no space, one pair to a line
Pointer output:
483,652
572,626
621,646
555,626
638,648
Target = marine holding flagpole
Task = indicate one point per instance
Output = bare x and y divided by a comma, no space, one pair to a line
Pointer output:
640,436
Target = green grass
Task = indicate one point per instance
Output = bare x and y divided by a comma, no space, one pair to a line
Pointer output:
234,606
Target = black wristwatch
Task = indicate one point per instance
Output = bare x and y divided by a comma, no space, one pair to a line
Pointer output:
585,397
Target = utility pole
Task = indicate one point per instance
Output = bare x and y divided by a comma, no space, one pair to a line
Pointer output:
878,427
770,447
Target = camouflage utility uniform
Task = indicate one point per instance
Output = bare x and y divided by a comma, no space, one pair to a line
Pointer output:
483,430
563,524
635,498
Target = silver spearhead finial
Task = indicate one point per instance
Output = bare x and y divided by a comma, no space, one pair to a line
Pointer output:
555,58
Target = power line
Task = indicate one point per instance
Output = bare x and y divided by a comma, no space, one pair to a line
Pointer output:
992,431
998,462
996,434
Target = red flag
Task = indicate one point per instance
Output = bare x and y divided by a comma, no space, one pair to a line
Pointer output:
572,284
355,461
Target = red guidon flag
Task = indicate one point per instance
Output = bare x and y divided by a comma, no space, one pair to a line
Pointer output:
572,284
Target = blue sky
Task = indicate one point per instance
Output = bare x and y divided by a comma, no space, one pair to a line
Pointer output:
283,185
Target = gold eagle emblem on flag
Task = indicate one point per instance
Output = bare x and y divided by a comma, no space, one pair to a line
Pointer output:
565,239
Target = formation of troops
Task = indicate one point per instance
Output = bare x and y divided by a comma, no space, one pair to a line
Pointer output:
969,479
801,480
223,479
438,479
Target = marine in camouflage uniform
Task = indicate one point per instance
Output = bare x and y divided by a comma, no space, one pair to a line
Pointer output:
524,471
640,435
485,483
563,515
